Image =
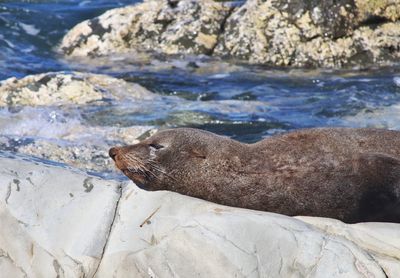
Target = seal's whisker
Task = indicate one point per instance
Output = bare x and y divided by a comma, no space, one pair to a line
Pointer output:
143,170
159,169
132,170
133,159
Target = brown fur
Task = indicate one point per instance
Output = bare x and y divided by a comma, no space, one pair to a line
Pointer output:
348,174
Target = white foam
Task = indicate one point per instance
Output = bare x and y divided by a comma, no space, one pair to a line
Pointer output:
388,117
31,122
29,29
396,80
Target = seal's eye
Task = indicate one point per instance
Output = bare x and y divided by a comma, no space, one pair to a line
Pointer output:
156,146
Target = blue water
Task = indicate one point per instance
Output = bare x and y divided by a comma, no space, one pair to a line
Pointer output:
242,101
29,30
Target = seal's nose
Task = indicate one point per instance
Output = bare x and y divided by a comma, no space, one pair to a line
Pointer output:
112,153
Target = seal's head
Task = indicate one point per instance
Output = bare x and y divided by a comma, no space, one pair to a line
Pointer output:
140,162
171,158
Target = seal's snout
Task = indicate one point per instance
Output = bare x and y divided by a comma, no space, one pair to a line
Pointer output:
112,153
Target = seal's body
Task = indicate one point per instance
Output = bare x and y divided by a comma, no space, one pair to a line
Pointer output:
349,174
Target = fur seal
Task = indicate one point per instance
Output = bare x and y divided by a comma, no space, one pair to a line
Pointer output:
349,174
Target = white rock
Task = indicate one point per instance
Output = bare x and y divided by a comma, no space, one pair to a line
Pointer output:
53,222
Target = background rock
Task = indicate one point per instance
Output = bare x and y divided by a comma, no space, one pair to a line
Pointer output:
279,32
313,33
170,27
61,88
61,222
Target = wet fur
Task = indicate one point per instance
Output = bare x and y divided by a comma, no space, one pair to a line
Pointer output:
349,174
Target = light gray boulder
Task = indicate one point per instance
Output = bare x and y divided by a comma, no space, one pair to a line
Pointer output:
61,223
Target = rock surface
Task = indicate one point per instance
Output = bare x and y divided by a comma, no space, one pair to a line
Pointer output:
167,26
60,88
277,32
59,222
313,33
54,222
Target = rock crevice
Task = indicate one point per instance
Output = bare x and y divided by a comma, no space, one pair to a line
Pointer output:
114,217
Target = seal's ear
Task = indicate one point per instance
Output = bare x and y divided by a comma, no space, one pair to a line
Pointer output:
196,153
